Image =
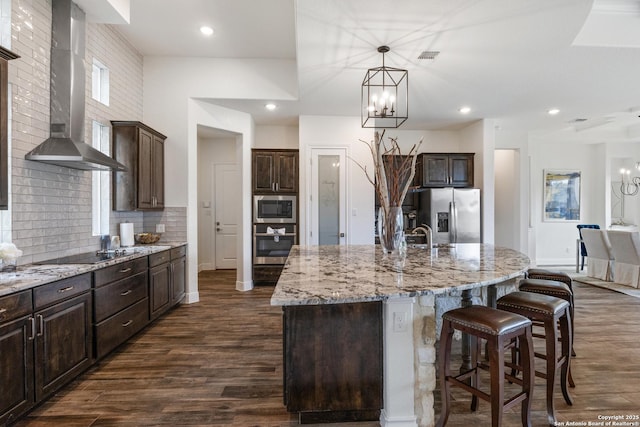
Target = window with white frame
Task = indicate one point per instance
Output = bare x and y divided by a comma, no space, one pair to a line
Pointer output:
101,183
100,82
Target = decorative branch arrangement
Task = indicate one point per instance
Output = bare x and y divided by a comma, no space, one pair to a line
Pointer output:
391,178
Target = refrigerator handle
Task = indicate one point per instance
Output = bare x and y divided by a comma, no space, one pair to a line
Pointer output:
454,220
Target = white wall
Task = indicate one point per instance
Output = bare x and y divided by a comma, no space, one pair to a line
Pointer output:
341,132
169,83
556,241
277,137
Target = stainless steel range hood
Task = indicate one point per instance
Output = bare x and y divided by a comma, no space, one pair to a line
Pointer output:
66,145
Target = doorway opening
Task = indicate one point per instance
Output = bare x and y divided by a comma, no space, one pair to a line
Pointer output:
219,199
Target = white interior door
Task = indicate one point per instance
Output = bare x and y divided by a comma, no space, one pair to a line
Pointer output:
328,197
227,197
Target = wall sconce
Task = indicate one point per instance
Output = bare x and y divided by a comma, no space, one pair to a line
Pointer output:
629,185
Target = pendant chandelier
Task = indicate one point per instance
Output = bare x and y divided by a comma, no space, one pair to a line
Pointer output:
385,96
629,186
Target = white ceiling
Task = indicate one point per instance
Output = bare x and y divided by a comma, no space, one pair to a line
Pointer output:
509,60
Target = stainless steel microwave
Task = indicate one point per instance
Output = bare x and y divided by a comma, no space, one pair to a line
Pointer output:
277,209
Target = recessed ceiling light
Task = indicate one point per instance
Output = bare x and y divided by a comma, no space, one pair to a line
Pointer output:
270,106
465,110
207,31
553,111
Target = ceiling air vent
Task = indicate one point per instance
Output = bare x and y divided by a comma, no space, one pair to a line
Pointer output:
429,54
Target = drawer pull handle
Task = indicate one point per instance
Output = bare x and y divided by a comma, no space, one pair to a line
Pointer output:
125,270
127,323
63,290
127,292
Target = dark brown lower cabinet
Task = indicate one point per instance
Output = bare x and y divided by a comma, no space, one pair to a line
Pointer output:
16,369
62,344
333,363
159,283
178,270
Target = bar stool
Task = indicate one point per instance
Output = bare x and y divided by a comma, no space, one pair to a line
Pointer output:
500,329
550,311
552,283
544,274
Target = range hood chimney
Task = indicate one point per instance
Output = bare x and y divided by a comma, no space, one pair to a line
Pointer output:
66,145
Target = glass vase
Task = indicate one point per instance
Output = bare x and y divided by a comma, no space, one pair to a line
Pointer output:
8,265
391,229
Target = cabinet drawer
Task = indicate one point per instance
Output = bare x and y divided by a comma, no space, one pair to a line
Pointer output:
117,329
61,290
119,271
178,252
15,305
159,258
112,298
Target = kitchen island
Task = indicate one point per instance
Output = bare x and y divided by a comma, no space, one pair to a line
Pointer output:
405,288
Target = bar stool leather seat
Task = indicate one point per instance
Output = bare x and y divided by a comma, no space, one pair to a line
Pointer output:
500,329
551,283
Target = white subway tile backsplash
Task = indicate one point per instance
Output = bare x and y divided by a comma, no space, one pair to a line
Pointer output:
51,205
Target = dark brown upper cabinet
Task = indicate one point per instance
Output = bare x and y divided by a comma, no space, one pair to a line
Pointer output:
141,149
447,169
275,171
5,57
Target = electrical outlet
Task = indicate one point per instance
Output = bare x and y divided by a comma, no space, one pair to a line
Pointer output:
400,321
159,228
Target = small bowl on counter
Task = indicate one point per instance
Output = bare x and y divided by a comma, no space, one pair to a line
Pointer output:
146,238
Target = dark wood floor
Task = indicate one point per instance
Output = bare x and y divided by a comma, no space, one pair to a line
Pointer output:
218,363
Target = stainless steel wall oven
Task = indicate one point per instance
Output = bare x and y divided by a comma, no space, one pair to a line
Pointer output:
272,243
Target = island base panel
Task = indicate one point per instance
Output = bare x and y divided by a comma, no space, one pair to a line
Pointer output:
333,363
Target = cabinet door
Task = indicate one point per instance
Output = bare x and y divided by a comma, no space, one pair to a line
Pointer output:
435,172
62,344
159,290
264,168
145,169
16,368
287,173
461,170
178,271
158,172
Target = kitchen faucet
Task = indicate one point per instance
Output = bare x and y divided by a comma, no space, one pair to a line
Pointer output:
427,231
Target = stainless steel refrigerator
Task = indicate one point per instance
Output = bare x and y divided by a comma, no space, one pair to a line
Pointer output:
452,213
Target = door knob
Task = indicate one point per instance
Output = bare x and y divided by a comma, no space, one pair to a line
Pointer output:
341,234
217,222
218,229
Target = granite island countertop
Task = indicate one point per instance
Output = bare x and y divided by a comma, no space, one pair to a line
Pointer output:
359,273
32,275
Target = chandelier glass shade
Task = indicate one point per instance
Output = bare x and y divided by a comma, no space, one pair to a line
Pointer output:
629,185
384,95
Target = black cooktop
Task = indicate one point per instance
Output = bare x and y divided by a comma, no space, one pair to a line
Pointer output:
88,257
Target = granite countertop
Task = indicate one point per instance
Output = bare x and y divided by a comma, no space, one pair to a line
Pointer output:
31,275
359,273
